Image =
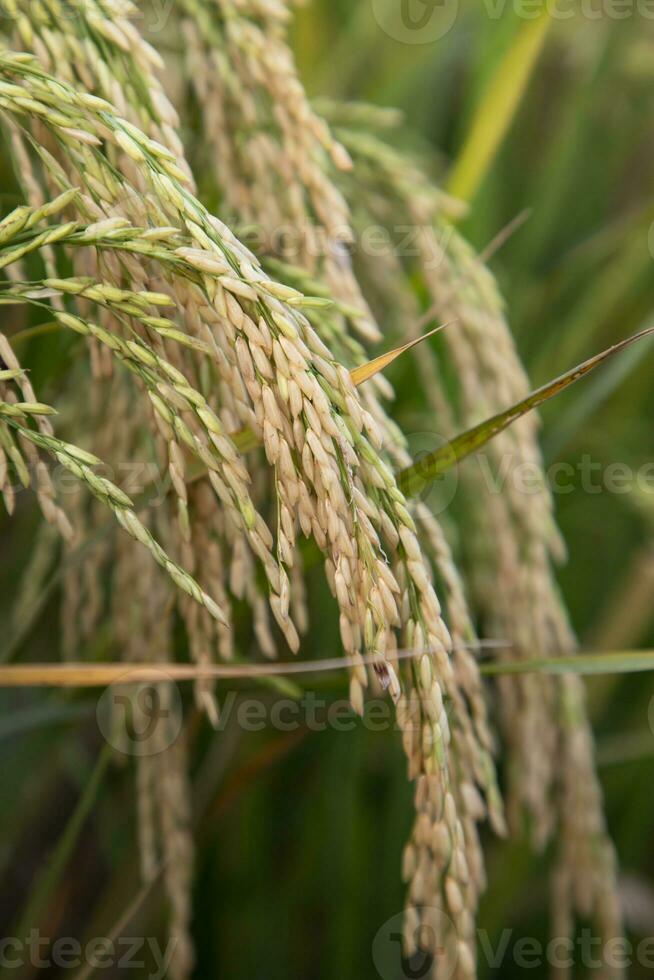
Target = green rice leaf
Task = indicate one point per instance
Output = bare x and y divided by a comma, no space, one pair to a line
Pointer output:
497,108
415,478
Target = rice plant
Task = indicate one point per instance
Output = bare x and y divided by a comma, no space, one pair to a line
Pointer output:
209,481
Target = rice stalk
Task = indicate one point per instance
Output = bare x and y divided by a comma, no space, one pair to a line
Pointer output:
511,541
193,338
321,444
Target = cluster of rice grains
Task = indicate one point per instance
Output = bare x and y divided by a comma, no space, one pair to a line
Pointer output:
192,342
275,376
511,538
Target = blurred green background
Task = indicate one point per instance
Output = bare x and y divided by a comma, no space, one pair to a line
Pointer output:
300,833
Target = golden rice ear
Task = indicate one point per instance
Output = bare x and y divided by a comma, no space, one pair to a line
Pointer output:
367,371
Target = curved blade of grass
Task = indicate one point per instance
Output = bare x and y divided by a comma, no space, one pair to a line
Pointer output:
497,108
415,478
